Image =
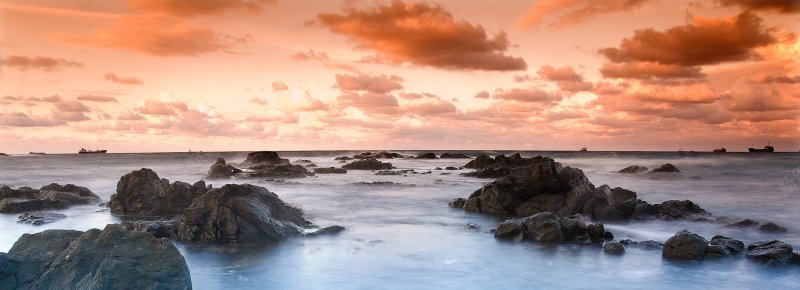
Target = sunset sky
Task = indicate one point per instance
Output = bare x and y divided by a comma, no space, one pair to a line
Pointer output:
227,75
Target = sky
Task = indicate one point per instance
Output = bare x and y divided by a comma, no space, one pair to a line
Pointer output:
231,75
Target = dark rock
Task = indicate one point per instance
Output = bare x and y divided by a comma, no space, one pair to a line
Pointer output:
240,213
680,209
379,155
685,245
52,196
543,227
428,155
259,158
382,183
368,164
40,217
509,229
142,192
745,223
281,171
772,228
451,168
111,258
573,226
795,258
458,202
3,154
310,165
492,171
343,158
220,169
731,245
717,251
472,226
331,230
596,231
330,170
453,156
649,245
772,252
666,168
614,248
162,228
633,169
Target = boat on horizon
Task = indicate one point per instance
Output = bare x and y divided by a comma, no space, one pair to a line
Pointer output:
720,150
767,148
84,151
584,149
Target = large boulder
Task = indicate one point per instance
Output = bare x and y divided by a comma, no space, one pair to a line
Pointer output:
496,170
685,245
240,213
263,158
142,192
680,209
543,227
368,164
113,258
220,169
52,196
772,228
427,155
614,248
772,252
379,155
573,226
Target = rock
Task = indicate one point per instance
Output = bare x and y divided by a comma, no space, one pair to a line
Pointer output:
795,258
142,192
649,245
330,170
458,202
451,168
730,245
111,258
282,171
220,169
772,228
259,158
332,230
614,248
343,158
472,226
382,183
52,196
684,245
745,223
310,165
714,251
669,168
40,217
428,155
509,229
368,164
543,227
633,169
492,171
240,213
162,228
3,154
379,155
680,209
453,156
772,252
573,226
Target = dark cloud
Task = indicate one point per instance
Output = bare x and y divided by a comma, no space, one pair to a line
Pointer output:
780,6
47,64
650,70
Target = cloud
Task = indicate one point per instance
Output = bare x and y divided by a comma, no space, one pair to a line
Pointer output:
423,34
777,79
122,80
158,35
96,98
650,70
780,6
50,99
259,101
311,55
279,86
130,116
429,106
703,42
482,95
526,95
197,7
47,64
18,119
370,102
566,78
71,106
378,84
156,107
568,12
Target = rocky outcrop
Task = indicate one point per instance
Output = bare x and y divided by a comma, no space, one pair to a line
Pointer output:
112,258
142,192
379,155
492,171
330,170
543,227
52,196
614,248
680,209
220,169
484,160
772,252
427,155
666,168
722,246
368,164
685,245
633,169
449,155
40,217
649,245
509,229
280,171
259,158
772,228
240,213
161,228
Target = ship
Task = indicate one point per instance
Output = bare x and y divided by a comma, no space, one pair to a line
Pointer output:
767,148
84,151
36,153
720,150
584,149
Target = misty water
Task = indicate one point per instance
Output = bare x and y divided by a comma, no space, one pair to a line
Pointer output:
406,237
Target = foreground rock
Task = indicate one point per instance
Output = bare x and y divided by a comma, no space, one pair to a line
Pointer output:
633,169
543,228
52,196
40,217
685,245
772,252
259,158
220,169
142,192
113,258
368,164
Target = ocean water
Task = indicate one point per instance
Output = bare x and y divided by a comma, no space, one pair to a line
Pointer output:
406,237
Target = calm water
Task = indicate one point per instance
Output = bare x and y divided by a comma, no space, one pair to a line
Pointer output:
406,237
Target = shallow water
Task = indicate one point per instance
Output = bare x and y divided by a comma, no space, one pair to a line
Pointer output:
406,237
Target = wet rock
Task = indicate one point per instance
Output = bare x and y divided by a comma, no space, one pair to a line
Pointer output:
451,168
280,171
458,202
596,231
492,171
573,226
745,223
259,158
543,227
330,170
310,165
685,245
332,230
472,226
509,229
772,252
680,209
772,228
220,169
162,228
379,155
368,164
428,155
648,245
614,248
52,196
730,245
666,168
633,169
453,156
142,192
40,217
240,213
343,158
382,183
95,259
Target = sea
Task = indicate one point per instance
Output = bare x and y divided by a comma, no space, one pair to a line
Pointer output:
404,236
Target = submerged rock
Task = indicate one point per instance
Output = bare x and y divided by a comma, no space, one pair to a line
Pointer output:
745,223
40,217
368,164
772,252
332,230
633,169
330,170
728,246
614,248
52,196
666,168
220,169
142,192
680,209
259,158
162,228
113,258
379,155
428,155
453,156
458,202
283,170
685,245
648,245
772,228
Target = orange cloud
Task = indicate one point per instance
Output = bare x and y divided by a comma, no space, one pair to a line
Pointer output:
311,55
424,35
569,12
378,84
47,64
781,6
197,7
566,78
50,99
122,80
279,86
370,102
96,98
526,95
649,70
19,119
155,107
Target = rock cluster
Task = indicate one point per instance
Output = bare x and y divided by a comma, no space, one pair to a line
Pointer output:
368,164
453,156
263,158
52,196
260,164
142,192
685,245
330,170
547,228
427,155
372,155
221,169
